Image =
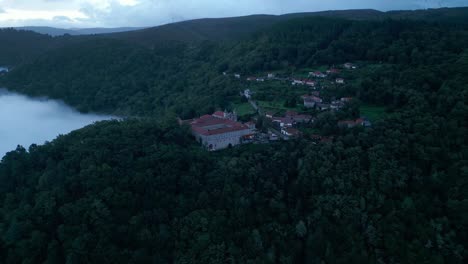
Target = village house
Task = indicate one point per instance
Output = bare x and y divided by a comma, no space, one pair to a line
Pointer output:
310,100
291,132
220,130
333,71
284,121
303,119
298,82
237,76
260,79
349,66
337,104
269,114
251,78
340,80
271,75
299,118
317,74
323,106
247,94
310,83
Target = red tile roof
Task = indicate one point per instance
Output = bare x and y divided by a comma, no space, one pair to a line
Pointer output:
208,125
219,114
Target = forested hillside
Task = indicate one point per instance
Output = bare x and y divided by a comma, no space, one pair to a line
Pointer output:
115,76
141,190
18,46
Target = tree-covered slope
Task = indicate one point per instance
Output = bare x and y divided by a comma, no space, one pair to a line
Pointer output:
137,191
19,46
115,76
142,191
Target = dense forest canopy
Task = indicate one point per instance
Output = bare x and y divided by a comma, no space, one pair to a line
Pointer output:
141,190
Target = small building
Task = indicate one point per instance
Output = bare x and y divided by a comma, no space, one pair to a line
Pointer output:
273,137
260,79
251,79
310,100
333,71
310,83
339,80
247,94
236,75
4,70
337,104
317,74
269,114
298,82
284,121
291,132
225,115
271,75
349,66
322,106
303,119
346,99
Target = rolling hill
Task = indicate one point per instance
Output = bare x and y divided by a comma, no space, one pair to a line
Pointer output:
76,31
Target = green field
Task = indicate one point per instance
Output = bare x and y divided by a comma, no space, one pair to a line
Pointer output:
244,109
372,112
277,106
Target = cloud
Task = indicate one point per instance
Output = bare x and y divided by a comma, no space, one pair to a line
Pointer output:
61,18
115,13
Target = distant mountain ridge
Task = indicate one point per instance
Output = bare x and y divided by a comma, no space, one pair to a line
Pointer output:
19,45
232,28
52,31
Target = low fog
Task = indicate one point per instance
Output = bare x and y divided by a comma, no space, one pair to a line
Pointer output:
24,121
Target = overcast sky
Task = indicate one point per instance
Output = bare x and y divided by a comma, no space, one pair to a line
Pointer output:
125,13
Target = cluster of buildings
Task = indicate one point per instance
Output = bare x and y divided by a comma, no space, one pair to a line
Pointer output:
287,123
303,82
221,130
314,101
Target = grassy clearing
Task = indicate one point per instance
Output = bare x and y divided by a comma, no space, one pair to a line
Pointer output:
244,109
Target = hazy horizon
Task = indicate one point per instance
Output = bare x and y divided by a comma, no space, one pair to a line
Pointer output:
147,13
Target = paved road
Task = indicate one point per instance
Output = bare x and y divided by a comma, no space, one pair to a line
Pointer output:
255,106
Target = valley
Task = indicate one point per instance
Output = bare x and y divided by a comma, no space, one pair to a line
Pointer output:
354,123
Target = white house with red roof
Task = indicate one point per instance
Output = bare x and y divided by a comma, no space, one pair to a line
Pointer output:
219,130
311,100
